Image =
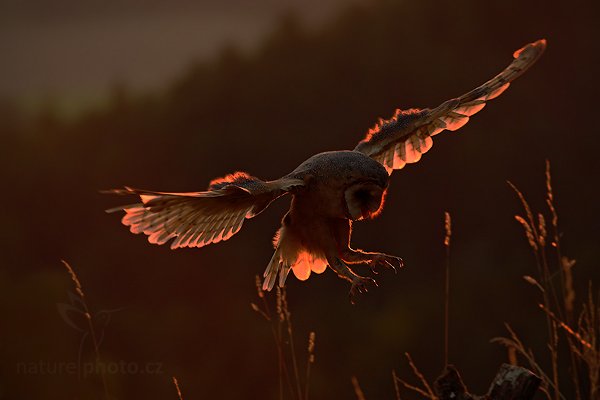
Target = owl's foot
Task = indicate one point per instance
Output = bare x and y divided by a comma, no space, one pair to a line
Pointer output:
385,261
359,283
359,286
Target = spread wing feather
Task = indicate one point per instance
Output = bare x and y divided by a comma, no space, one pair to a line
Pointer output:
408,134
195,219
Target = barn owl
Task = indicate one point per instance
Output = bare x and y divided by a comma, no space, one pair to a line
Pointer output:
329,191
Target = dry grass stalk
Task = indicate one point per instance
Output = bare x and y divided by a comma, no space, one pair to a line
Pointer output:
542,230
259,290
567,268
528,232
530,219
531,280
536,237
512,356
550,203
177,387
74,278
566,278
419,375
88,317
277,337
396,387
288,320
590,330
261,312
311,360
283,334
560,311
357,390
554,354
567,328
447,228
447,237
426,391
311,347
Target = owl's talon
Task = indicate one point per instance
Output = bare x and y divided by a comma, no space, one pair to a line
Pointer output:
360,286
388,262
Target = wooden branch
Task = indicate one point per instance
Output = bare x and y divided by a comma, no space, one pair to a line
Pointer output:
511,383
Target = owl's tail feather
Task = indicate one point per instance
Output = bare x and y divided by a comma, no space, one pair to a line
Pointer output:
275,266
290,255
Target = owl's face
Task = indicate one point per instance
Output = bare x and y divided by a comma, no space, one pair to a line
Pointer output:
364,200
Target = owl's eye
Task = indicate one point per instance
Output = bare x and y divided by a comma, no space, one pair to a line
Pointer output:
363,195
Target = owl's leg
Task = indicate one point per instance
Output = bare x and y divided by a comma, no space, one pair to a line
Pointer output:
372,259
343,231
359,283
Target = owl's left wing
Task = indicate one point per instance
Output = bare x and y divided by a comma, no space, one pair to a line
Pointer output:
408,134
195,219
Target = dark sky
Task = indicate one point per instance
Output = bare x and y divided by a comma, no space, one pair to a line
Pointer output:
74,50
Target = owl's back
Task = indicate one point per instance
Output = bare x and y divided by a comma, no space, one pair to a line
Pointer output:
338,169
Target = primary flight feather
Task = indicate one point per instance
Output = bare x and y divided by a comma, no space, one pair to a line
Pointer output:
329,191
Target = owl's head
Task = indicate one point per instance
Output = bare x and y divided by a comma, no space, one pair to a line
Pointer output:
364,200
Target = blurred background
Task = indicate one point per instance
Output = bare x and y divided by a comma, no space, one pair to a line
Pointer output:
167,96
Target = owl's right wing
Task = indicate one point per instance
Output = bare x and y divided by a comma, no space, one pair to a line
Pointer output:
195,219
408,134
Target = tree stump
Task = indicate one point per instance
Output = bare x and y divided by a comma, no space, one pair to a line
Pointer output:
450,385
511,383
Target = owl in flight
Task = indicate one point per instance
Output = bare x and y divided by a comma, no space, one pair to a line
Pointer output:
329,191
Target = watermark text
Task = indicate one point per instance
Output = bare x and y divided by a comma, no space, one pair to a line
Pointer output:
85,369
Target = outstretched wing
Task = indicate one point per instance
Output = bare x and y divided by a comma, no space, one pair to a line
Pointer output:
408,134
196,219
